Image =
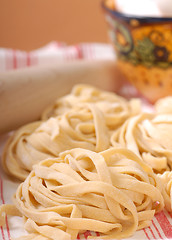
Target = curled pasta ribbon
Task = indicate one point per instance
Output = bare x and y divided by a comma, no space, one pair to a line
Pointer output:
82,126
115,108
18,156
112,192
166,179
149,136
83,119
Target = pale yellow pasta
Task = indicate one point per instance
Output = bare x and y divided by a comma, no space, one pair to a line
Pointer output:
78,174
115,108
166,179
112,192
82,126
84,118
16,146
149,136
164,105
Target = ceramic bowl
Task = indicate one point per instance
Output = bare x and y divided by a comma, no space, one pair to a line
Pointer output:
143,46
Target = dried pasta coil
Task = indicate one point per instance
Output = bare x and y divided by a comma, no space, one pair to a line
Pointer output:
117,109
149,136
83,126
166,179
112,192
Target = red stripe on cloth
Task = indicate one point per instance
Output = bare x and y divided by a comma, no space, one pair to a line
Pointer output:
14,59
8,59
2,231
79,51
28,61
159,234
152,232
170,214
86,234
97,234
1,190
165,224
3,201
78,237
7,225
145,231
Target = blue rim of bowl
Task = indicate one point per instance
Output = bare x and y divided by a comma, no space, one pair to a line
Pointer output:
129,17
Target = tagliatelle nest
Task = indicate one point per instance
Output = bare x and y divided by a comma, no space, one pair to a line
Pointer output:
83,119
149,136
83,126
116,109
78,172
166,179
112,192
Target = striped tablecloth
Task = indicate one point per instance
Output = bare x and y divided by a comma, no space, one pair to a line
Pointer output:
54,51
161,227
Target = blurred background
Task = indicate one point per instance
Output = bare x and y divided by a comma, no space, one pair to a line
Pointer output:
30,24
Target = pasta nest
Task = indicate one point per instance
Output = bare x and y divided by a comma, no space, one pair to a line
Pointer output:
166,179
82,126
117,109
84,118
112,192
149,136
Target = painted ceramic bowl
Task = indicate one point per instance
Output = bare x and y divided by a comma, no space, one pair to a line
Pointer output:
143,46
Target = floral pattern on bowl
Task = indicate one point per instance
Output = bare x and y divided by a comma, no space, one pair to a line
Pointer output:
143,46
147,45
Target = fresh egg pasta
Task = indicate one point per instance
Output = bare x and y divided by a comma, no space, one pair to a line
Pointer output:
94,162
116,109
166,179
111,192
149,136
84,118
82,126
